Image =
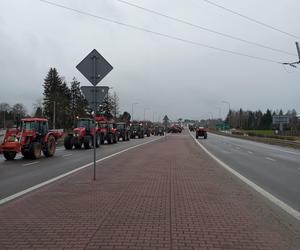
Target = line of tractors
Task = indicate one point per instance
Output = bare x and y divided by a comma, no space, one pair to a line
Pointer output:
32,136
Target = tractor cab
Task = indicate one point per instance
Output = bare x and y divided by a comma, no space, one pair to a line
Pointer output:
38,125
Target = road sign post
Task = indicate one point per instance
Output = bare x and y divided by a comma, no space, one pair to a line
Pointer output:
94,67
281,120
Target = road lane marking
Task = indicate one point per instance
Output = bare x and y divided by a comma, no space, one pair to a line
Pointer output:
30,163
237,148
270,159
67,155
250,152
28,190
264,145
293,212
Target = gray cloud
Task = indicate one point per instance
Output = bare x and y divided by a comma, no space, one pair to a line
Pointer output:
167,76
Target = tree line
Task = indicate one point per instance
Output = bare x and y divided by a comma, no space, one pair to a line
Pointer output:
257,120
66,102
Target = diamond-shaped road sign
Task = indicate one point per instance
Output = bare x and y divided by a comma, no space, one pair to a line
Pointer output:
101,93
94,67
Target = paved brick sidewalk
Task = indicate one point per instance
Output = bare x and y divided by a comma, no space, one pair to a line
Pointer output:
165,195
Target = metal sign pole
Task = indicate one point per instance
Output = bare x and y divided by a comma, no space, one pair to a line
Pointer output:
94,67
95,107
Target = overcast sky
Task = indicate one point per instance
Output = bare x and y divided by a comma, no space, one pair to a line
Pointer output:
167,76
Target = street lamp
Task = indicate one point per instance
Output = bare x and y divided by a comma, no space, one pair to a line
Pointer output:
145,113
229,116
135,103
219,111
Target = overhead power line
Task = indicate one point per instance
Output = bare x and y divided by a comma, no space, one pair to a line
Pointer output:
204,28
158,33
251,19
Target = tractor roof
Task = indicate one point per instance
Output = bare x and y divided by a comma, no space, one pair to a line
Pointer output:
34,119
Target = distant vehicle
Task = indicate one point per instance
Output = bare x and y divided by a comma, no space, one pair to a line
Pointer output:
192,128
82,134
136,130
123,131
201,132
31,138
159,130
147,129
175,128
108,132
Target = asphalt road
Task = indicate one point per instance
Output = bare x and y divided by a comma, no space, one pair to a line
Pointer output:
275,169
20,174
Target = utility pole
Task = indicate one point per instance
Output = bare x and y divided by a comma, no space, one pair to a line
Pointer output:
145,113
229,118
132,109
293,64
53,114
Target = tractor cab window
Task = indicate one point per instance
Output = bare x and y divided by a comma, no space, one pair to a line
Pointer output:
85,124
43,128
28,125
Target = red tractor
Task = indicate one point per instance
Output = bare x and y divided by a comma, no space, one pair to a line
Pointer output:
108,131
31,138
83,134
201,132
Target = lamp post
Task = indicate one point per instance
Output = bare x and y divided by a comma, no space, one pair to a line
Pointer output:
229,118
145,113
135,103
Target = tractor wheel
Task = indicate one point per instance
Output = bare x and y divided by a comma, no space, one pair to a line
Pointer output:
109,139
78,145
68,142
148,134
115,140
98,141
35,150
124,138
50,147
25,154
87,142
205,136
9,155
128,137
102,139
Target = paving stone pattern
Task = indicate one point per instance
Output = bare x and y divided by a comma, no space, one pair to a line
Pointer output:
165,195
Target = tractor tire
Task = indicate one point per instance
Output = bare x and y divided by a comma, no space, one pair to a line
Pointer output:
87,142
102,140
25,153
205,136
115,140
68,142
50,147
109,139
9,155
35,150
78,145
124,138
98,141
197,136
128,137
148,134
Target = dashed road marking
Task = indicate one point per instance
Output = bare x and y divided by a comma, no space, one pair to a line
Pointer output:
30,163
250,152
293,212
270,159
28,190
67,155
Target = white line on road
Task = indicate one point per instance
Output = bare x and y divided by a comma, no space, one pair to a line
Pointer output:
250,152
28,190
67,155
276,201
270,159
30,163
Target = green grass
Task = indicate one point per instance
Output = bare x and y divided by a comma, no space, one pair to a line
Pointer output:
260,132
